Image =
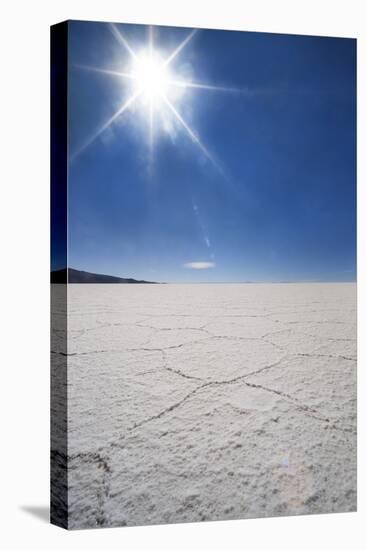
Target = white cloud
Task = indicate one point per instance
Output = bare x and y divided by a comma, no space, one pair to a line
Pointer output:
199,265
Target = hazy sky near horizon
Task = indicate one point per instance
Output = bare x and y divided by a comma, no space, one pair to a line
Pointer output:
255,182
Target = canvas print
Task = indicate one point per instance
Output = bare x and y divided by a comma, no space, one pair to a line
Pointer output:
203,270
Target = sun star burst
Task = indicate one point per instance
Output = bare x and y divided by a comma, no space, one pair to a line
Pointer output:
152,80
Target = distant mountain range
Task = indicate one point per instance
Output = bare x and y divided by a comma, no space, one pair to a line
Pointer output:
75,276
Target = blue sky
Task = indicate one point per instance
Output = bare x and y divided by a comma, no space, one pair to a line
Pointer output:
268,193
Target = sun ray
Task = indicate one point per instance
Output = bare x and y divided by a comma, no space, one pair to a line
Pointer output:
151,106
188,84
121,39
191,133
106,125
180,47
151,127
105,71
151,40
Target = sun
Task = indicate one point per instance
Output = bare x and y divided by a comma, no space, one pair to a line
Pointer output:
151,76
152,80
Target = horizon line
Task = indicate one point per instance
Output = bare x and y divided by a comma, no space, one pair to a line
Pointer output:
285,281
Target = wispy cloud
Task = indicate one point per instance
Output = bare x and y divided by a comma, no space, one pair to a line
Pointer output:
199,265
207,241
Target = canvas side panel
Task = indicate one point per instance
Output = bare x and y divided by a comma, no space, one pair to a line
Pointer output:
59,125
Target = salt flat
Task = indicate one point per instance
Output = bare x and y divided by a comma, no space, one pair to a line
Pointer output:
207,402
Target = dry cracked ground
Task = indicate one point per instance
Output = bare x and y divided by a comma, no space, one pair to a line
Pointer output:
210,402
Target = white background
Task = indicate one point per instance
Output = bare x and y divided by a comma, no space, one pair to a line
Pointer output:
24,300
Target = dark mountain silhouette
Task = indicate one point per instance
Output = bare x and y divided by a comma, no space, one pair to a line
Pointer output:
76,276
